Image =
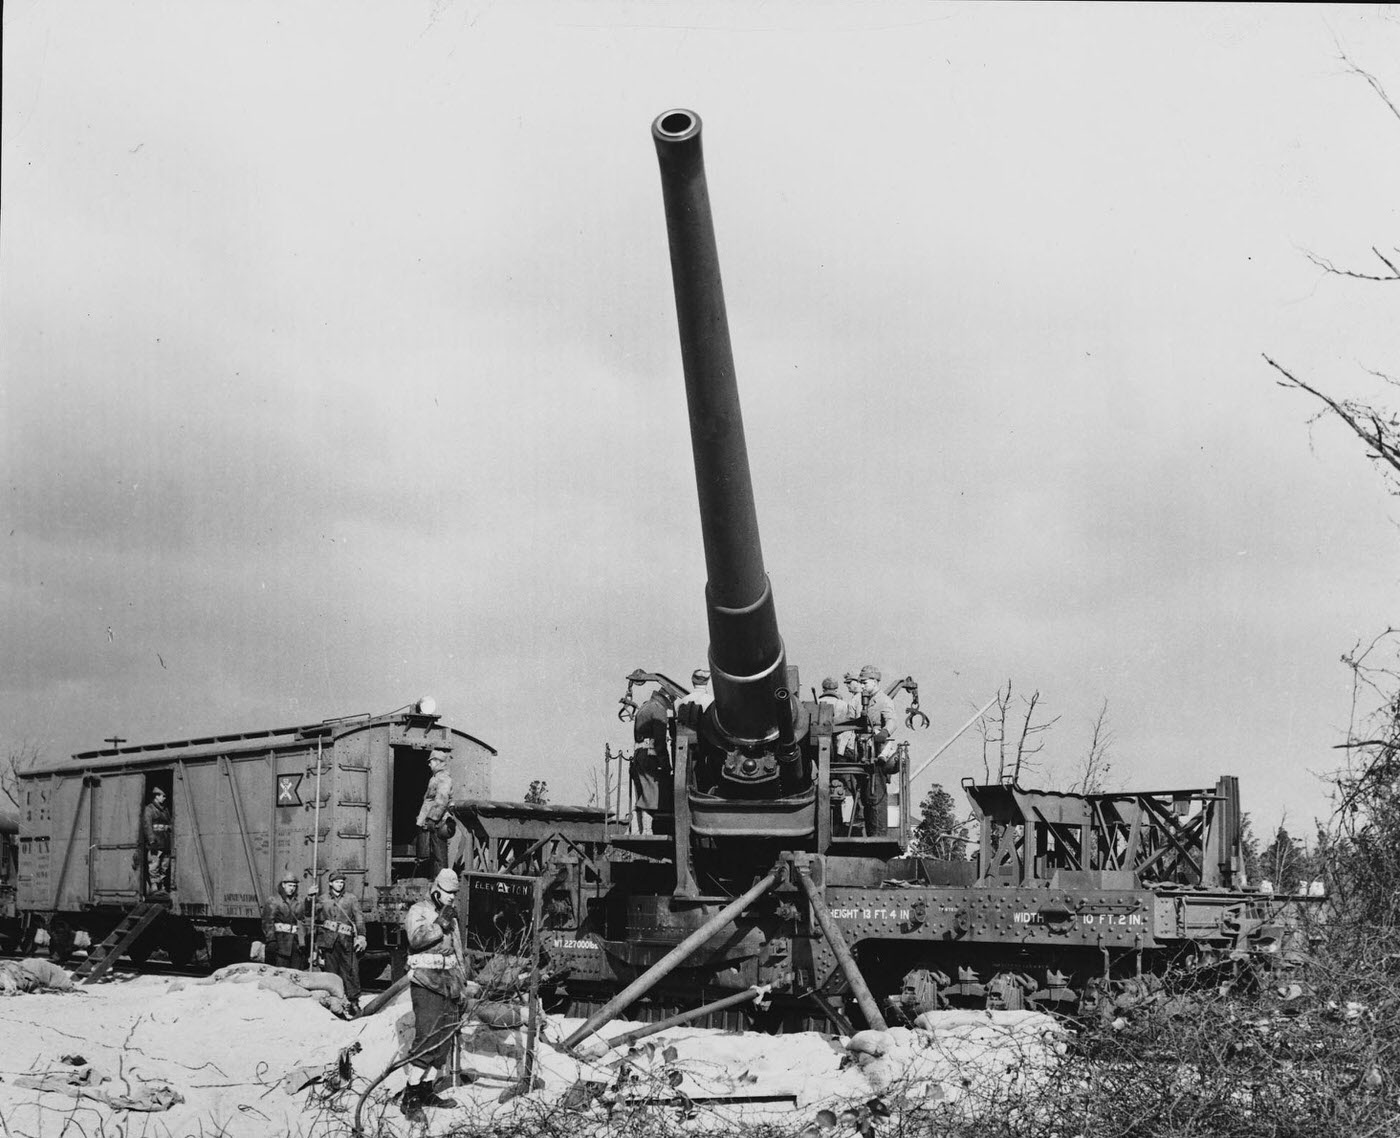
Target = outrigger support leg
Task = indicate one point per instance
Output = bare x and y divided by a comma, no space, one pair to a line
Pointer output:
748,995
859,988
673,959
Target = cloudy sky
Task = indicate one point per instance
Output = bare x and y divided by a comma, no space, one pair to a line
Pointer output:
339,366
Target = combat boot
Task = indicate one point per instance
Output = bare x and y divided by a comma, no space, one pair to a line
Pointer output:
430,1097
411,1101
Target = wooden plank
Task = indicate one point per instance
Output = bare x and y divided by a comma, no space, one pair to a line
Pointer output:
242,827
196,835
72,838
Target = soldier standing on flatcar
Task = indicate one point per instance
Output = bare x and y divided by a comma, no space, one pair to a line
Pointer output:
155,835
853,692
651,757
437,985
435,824
700,694
281,925
844,748
880,719
341,938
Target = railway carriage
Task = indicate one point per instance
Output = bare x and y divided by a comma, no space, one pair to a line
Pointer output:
246,809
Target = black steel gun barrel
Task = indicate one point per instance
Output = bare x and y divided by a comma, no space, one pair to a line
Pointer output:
747,659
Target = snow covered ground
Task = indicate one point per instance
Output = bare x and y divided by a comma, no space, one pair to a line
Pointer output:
240,1059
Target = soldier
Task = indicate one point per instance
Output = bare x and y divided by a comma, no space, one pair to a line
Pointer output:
435,823
341,938
282,926
844,745
437,985
155,835
651,756
700,694
846,741
881,719
841,712
853,690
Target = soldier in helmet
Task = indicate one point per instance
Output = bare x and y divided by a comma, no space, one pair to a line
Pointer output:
437,985
844,744
282,925
435,822
853,696
340,937
651,757
880,718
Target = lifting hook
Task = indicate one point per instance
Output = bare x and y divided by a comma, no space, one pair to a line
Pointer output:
628,711
914,719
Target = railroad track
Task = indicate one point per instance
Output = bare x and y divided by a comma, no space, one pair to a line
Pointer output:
154,965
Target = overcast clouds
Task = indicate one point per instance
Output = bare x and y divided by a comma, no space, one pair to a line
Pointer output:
340,366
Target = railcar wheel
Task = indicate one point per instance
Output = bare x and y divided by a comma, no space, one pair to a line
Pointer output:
28,929
371,966
226,950
181,941
61,938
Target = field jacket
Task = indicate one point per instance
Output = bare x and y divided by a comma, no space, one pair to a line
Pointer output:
435,957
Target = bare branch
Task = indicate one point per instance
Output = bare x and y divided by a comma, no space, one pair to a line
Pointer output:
1383,438
1095,767
1328,267
20,757
1375,85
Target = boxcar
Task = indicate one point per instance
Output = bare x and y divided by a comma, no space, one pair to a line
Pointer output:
246,809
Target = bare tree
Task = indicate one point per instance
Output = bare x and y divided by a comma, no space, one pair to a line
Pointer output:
1097,764
1360,852
597,788
1377,427
1360,856
22,756
1011,736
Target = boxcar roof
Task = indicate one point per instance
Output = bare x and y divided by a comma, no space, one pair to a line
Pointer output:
242,742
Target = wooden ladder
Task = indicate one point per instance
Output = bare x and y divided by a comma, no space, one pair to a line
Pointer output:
101,957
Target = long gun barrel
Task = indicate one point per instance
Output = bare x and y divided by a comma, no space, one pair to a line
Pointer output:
747,660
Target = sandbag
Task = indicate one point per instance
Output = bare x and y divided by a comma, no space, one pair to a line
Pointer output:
47,974
17,976
499,1015
870,1042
